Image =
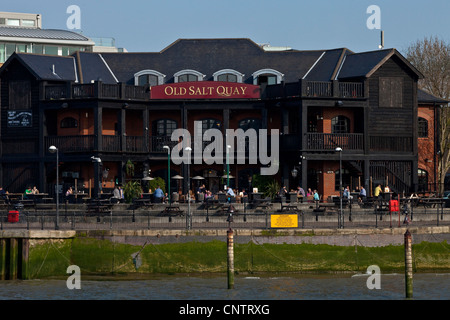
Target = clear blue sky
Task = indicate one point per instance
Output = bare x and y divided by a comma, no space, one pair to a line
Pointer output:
151,25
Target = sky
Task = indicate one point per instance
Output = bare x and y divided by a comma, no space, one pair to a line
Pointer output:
152,25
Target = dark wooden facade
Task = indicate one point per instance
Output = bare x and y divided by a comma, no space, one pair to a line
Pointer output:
375,93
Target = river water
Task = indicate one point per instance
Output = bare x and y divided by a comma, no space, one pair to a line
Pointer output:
430,286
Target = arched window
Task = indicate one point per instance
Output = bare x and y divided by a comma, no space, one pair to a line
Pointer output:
267,76
228,75
150,77
340,124
188,75
69,122
163,127
422,127
423,180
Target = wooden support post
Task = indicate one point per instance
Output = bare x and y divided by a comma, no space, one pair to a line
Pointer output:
24,249
408,266
230,259
3,258
13,262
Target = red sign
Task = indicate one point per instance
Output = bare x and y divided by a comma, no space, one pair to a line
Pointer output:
205,90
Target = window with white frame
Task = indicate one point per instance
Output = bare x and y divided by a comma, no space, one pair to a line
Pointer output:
148,77
228,75
267,76
188,75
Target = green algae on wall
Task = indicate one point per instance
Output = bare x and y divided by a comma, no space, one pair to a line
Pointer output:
102,256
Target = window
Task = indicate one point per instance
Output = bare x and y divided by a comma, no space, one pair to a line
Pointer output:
423,180
13,22
422,128
251,123
267,76
390,92
188,75
163,127
19,95
148,77
228,75
340,124
28,23
210,124
51,50
69,122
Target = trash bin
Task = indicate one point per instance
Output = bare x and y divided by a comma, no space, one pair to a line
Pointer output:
13,215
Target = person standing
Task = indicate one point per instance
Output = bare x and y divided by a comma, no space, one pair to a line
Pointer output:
159,195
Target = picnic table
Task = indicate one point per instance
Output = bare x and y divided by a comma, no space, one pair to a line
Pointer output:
288,207
262,203
172,210
99,206
142,202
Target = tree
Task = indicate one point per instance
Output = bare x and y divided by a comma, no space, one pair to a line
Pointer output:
431,56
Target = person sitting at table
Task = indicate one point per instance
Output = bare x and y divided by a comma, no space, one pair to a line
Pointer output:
27,192
377,191
362,194
230,194
69,192
159,195
4,195
35,190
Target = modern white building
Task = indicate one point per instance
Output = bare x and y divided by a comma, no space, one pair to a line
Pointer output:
23,33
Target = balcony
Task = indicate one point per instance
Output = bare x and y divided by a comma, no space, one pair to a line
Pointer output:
330,141
97,89
86,143
317,89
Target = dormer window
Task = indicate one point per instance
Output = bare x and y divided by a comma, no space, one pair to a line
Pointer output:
228,75
148,77
267,77
188,76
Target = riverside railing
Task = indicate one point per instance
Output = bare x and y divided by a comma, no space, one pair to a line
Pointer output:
69,219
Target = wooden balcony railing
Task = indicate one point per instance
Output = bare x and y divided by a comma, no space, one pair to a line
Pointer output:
317,89
97,89
330,141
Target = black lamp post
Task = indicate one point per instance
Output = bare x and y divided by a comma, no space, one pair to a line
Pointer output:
54,149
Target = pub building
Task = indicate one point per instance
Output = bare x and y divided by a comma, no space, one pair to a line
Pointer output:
122,109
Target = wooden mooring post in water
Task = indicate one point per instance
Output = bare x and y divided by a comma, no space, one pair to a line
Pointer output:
408,266
230,259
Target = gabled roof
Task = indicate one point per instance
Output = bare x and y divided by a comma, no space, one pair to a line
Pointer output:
363,65
46,67
92,67
425,97
211,55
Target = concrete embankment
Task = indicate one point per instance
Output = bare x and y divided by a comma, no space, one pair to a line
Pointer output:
28,254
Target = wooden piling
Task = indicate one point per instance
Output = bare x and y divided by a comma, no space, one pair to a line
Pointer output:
408,266
230,259
13,262
3,259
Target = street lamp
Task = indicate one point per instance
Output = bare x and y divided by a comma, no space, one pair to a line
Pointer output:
339,149
228,165
188,150
54,149
168,171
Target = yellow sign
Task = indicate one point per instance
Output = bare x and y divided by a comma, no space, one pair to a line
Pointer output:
284,221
